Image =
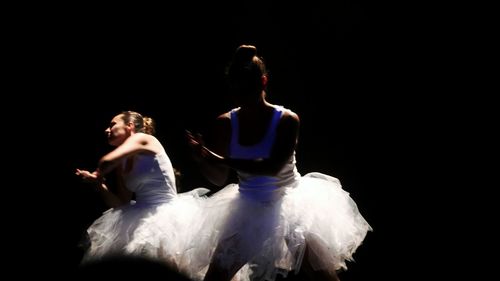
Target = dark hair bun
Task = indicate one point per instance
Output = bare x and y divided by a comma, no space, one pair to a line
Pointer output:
245,53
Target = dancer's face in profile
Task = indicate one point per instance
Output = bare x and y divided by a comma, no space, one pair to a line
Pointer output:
118,131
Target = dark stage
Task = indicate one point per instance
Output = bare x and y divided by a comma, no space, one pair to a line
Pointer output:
342,66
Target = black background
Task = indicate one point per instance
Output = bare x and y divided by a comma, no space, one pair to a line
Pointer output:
369,81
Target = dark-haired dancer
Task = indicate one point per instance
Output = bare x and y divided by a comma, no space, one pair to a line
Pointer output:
274,220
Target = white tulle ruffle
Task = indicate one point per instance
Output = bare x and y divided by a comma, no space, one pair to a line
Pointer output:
156,231
268,233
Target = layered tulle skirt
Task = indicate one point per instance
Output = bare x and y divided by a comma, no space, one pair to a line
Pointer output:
267,235
155,231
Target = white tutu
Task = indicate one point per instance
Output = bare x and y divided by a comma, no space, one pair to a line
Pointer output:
156,231
266,230
263,224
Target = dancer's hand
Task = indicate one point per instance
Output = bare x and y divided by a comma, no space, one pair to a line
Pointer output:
87,176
